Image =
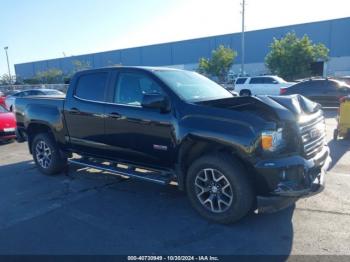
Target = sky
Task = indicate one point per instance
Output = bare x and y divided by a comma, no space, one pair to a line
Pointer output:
44,29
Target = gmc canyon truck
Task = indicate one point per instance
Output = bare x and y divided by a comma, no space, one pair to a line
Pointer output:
231,155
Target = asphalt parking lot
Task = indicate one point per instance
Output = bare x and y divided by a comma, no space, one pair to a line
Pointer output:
84,212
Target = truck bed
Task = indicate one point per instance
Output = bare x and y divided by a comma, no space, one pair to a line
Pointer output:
41,110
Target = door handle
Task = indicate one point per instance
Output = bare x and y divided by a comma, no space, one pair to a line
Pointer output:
114,115
74,111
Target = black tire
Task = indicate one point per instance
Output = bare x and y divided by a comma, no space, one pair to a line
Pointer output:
242,191
245,93
57,162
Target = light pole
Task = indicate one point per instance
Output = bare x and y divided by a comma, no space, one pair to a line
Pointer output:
8,64
243,38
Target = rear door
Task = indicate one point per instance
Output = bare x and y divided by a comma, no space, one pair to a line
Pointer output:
85,111
329,95
271,86
135,133
257,86
316,91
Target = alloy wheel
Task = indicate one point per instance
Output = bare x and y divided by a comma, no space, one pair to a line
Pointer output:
213,190
43,154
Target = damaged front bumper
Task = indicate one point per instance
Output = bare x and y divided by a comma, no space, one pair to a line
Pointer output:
292,178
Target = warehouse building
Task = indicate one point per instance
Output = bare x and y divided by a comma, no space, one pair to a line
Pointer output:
335,34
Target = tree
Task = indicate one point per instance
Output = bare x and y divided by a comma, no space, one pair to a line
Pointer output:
5,79
80,65
51,76
291,57
219,64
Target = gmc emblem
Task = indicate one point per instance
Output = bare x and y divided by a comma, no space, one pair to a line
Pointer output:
315,133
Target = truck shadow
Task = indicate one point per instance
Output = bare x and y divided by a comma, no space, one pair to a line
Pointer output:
337,150
170,225
126,217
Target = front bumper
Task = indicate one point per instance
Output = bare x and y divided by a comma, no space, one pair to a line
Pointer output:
7,135
292,178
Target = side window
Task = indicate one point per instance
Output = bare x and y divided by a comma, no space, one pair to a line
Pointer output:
241,81
132,86
24,93
19,94
35,93
269,80
331,85
257,80
317,85
300,87
92,86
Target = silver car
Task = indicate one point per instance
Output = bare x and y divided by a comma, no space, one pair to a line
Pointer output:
10,100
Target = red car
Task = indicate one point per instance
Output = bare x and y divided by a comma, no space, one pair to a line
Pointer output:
7,124
2,99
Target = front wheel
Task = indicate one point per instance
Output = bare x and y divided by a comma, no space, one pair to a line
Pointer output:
46,155
218,188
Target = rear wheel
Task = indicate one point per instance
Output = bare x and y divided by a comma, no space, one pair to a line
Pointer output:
245,93
218,188
46,155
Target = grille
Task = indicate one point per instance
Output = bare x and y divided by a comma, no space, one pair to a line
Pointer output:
7,133
313,136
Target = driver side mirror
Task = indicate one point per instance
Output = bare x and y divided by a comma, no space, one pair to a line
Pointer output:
156,101
275,82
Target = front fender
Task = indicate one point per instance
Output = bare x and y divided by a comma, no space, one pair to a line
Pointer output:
232,133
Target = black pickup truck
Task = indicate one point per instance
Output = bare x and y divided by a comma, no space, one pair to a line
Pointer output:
230,154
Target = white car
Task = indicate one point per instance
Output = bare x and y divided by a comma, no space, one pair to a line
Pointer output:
10,100
260,85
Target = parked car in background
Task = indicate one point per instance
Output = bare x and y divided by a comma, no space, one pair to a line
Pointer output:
10,100
2,99
260,85
326,92
230,88
345,79
7,125
3,96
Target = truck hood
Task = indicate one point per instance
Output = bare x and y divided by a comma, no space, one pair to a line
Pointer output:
285,108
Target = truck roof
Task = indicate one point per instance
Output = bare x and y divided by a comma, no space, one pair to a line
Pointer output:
148,68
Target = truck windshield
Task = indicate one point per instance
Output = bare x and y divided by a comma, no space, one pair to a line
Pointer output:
191,86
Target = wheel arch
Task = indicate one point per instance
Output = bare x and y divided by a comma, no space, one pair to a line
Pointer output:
245,90
36,128
194,148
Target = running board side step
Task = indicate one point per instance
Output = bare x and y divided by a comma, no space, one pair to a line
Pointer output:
161,177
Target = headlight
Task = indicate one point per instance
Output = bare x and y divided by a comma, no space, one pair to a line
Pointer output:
272,140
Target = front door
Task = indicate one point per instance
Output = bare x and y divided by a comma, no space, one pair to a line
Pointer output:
133,132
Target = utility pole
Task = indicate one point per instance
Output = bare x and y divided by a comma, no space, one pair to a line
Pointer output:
243,38
8,64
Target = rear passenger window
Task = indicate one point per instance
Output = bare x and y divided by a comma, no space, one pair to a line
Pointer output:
332,84
241,81
257,80
269,80
92,86
35,93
